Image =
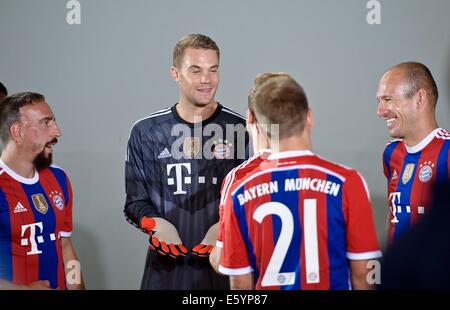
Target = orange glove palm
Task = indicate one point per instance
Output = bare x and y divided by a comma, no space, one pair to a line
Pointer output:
209,241
164,237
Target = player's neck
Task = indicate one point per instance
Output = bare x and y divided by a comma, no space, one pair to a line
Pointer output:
194,114
421,131
17,163
260,142
294,143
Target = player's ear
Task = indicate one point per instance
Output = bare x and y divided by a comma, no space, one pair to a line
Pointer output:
251,120
309,119
421,98
175,74
17,133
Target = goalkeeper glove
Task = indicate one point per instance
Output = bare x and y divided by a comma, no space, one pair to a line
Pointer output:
164,237
209,241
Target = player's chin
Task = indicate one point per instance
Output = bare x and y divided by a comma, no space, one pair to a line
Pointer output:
43,160
48,151
205,99
202,102
395,134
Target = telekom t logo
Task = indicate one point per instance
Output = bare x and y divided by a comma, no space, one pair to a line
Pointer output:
35,237
40,239
179,176
394,198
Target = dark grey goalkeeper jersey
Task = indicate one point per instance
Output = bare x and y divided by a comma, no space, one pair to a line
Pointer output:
174,170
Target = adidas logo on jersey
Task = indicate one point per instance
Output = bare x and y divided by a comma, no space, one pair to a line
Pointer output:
394,175
19,208
164,154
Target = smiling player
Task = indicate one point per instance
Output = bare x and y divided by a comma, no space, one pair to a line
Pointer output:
419,154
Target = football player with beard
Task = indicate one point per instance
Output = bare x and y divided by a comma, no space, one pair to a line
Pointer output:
36,251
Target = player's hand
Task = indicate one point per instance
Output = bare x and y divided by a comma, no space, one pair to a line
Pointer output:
40,285
164,237
209,241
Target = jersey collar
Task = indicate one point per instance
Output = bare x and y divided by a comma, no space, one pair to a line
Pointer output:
19,178
203,123
287,154
422,144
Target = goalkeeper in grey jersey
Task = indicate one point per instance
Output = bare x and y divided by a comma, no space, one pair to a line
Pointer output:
176,161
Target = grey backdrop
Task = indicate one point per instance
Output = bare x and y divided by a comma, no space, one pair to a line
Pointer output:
103,75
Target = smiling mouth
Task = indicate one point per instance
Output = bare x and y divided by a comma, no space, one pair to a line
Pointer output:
205,90
51,143
390,121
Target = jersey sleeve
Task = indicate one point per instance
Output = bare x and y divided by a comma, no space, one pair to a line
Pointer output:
362,241
68,223
138,203
235,258
219,241
225,184
385,165
448,162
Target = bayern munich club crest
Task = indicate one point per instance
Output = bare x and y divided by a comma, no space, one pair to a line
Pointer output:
222,149
426,171
57,200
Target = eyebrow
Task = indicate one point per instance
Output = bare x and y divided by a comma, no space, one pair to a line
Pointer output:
383,95
48,118
198,67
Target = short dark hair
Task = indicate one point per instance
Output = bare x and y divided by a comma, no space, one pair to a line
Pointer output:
196,41
3,89
418,76
10,111
278,99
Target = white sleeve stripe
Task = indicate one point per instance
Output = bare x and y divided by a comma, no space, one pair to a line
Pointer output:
365,255
233,113
230,184
219,244
365,184
224,186
235,271
158,113
230,178
65,234
227,180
